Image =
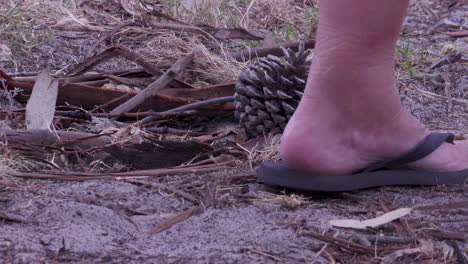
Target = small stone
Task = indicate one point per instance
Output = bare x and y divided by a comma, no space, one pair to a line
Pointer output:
5,244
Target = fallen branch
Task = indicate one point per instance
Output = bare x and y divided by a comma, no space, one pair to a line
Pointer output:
188,107
44,137
154,87
274,50
155,115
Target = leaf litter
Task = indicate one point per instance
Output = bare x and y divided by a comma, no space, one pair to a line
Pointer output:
170,177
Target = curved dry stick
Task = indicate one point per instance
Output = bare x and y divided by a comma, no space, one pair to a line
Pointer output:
155,86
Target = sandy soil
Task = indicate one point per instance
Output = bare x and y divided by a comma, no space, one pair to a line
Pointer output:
110,221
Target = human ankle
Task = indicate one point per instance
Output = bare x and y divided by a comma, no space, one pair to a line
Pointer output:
351,95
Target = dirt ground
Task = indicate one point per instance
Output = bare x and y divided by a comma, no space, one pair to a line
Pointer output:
109,221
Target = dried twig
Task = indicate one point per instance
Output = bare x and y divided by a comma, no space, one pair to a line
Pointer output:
445,235
379,238
105,55
154,87
449,59
83,176
425,248
459,101
183,194
111,34
12,217
174,131
208,200
328,256
460,255
461,34
349,245
258,251
115,100
448,90
176,219
446,206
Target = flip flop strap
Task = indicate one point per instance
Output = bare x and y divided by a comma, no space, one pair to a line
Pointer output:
430,143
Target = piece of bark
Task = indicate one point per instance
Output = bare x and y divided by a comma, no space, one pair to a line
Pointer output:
40,108
155,86
167,98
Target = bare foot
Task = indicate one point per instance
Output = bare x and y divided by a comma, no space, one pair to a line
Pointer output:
333,137
350,115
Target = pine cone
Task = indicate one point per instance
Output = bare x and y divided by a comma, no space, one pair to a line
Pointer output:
268,94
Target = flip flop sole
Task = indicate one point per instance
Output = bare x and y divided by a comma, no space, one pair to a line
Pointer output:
278,174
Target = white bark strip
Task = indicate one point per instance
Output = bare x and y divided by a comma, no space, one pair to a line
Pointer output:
374,222
40,108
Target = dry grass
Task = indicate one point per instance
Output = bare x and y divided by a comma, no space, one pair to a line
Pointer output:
268,150
288,201
8,165
215,13
411,62
21,26
28,24
208,67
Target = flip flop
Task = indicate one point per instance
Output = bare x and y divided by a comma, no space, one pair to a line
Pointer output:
379,174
